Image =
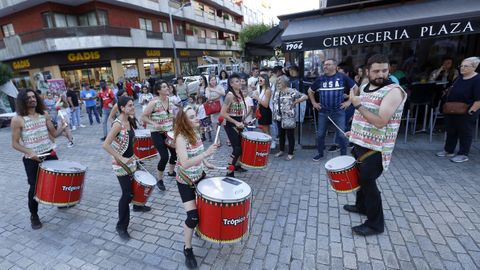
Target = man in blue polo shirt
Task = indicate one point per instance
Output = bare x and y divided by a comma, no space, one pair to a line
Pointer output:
330,88
90,97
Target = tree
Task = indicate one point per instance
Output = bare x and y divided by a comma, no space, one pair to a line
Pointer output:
251,32
6,74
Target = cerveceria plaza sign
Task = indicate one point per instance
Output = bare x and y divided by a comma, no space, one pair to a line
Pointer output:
432,30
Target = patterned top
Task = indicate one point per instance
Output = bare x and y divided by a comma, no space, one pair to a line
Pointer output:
120,145
35,134
194,173
283,103
237,107
162,116
367,135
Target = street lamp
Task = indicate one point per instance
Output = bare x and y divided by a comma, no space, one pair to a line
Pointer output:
175,60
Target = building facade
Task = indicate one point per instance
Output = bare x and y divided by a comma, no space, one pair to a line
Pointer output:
84,41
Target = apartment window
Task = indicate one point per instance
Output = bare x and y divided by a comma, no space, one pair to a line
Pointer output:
214,34
202,33
92,18
102,17
145,24
163,27
98,17
8,30
179,29
48,20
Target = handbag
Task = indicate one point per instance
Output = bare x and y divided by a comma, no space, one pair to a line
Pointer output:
258,114
453,107
212,107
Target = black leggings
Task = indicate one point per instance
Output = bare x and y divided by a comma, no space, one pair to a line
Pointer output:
369,200
290,136
233,135
31,168
124,202
159,142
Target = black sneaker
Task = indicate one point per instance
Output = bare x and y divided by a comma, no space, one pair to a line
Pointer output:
161,186
334,148
365,230
353,209
36,223
66,206
172,174
123,234
141,208
190,260
103,139
230,174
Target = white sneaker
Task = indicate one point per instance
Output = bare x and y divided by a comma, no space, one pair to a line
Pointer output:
74,128
444,154
459,158
82,126
70,144
273,145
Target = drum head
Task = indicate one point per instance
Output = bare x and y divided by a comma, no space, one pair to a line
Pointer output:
224,189
62,166
142,133
145,178
339,163
256,136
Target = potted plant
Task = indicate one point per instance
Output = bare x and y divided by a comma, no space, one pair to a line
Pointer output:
229,42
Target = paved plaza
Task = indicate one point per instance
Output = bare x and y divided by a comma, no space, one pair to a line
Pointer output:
297,221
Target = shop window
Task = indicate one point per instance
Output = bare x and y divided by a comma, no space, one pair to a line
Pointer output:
145,24
7,30
163,27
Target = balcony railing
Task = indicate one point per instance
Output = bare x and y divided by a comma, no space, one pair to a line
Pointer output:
180,37
155,35
213,41
202,40
79,31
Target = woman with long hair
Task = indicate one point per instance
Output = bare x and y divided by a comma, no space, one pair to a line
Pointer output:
159,115
190,171
202,84
214,93
234,112
119,144
264,114
223,80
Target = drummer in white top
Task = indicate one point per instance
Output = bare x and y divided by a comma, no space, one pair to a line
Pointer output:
34,127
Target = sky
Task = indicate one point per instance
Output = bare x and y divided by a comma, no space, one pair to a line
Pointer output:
281,7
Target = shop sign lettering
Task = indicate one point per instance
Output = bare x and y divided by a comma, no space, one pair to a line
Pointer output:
184,53
446,29
153,53
21,64
83,56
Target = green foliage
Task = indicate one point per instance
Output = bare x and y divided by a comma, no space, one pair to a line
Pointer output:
229,42
226,17
6,74
251,32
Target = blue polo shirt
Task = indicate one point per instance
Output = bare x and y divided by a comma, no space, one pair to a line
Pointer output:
87,94
331,89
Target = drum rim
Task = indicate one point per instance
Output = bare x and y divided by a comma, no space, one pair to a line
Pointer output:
146,133
226,200
145,173
61,171
259,139
342,169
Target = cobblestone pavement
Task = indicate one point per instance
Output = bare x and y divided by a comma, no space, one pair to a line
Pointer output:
297,220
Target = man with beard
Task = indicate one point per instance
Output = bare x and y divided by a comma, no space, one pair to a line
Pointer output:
34,127
378,112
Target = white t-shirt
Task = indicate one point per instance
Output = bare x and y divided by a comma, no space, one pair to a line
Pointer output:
252,81
249,103
201,112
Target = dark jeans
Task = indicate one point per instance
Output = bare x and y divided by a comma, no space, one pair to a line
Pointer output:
233,135
459,129
290,133
31,168
338,116
124,202
159,142
90,110
369,200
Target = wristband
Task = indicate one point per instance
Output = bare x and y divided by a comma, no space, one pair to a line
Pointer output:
358,106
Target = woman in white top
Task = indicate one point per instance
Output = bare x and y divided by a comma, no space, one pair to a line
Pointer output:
213,93
202,84
264,113
145,97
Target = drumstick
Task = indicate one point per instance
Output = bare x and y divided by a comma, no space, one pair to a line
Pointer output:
339,129
220,121
228,168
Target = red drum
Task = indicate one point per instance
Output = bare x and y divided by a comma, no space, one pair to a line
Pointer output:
170,141
143,146
223,205
142,186
255,149
343,174
60,183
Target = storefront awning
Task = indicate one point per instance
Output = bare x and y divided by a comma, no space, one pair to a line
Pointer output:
265,44
391,23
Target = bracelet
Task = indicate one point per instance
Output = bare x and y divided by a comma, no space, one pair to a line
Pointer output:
358,106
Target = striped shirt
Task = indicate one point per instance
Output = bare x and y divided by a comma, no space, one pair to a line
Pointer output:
194,173
331,89
35,134
367,135
120,145
162,116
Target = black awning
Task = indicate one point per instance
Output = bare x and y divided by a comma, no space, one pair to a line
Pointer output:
411,20
265,44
